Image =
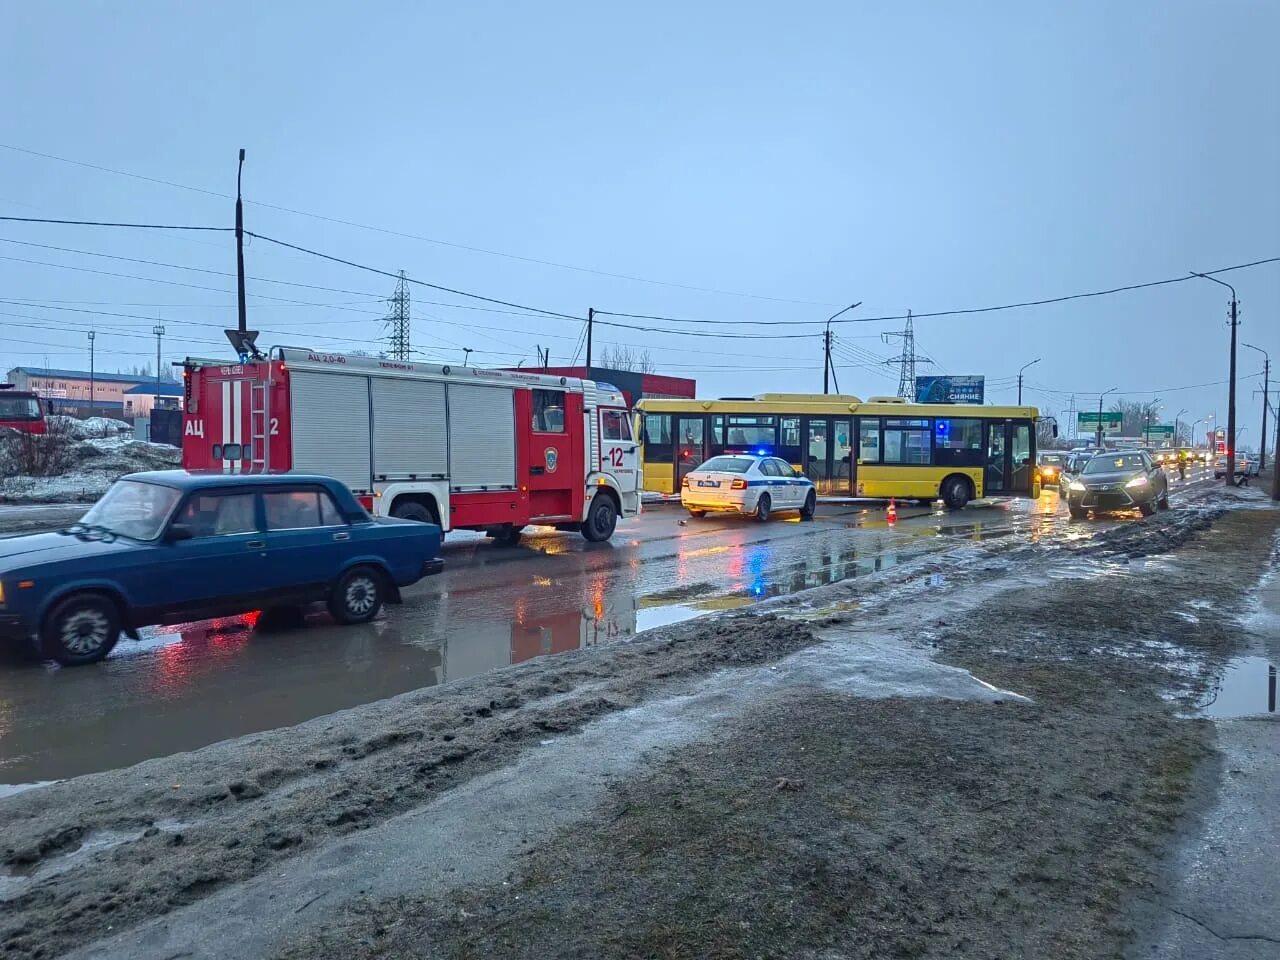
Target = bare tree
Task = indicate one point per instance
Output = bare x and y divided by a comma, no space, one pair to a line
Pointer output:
624,358
1045,440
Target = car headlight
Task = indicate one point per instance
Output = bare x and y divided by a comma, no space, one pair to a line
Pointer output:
1137,482
1075,485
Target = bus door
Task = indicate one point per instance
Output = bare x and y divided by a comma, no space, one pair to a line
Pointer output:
690,443
1009,459
829,462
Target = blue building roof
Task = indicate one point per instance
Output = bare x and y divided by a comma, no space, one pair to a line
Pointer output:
163,389
80,375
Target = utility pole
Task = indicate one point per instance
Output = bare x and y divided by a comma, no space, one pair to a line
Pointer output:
398,321
158,330
1266,378
242,315
1024,367
829,368
92,336
1231,388
591,319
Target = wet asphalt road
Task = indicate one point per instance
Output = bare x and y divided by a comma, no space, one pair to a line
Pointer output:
184,687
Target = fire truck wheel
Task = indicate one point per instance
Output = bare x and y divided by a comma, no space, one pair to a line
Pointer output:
507,535
357,596
601,519
415,511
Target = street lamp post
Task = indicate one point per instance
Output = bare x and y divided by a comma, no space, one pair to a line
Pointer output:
1146,423
1100,396
1231,386
92,336
1024,366
1266,377
466,356
1175,427
827,367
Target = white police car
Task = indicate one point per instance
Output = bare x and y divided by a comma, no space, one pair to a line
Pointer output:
753,485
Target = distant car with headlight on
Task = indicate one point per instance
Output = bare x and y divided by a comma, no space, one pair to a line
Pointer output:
1122,480
752,485
1050,468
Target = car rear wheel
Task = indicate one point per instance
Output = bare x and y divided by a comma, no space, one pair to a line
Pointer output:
80,629
357,596
697,514
602,517
763,506
955,493
810,506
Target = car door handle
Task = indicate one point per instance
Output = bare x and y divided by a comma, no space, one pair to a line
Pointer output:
255,544
342,536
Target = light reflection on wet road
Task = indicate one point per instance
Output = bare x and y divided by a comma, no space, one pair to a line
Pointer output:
184,687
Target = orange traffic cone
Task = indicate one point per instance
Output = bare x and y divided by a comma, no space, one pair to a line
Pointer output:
892,513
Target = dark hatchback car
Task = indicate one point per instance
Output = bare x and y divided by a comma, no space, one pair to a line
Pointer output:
1121,480
171,546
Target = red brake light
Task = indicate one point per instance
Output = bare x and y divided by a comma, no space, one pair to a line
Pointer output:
738,484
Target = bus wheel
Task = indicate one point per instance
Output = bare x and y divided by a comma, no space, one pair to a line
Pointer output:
955,493
810,506
602,517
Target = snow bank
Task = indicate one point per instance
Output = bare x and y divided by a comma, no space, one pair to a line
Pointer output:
65,467
87,428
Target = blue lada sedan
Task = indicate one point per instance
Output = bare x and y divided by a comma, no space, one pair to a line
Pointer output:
171,546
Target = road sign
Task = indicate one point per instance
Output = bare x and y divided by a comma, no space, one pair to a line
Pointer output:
1112,421
1160,431
949,389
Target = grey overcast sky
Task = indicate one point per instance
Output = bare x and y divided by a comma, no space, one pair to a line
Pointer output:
763,161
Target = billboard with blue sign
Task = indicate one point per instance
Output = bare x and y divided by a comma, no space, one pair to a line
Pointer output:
949,389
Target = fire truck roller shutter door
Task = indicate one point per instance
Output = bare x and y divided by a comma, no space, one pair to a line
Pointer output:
482,437
329,415
409,429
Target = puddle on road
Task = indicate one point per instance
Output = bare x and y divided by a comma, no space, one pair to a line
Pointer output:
1247,689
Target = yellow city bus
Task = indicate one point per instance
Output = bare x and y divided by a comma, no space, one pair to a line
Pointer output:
880,448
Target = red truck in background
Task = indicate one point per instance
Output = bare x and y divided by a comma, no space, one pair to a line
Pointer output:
462,447
21,410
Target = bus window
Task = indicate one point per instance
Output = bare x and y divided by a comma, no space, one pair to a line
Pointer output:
869,440
907,441
957,442
789,440
657,438
716,440
752,433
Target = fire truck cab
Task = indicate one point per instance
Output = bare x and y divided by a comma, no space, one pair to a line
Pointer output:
21,410
462,447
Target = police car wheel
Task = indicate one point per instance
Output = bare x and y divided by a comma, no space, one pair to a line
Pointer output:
602,517
810,506
763,506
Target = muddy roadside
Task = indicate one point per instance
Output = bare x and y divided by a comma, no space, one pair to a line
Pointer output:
183,829
827,825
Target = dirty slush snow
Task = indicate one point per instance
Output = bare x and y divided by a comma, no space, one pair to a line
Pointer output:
787,814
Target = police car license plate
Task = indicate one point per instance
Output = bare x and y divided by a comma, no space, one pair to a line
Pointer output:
708,483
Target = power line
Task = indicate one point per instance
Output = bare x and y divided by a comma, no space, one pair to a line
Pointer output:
104,223
414,236
423,283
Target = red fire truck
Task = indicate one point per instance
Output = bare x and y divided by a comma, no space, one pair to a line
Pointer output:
20,410
466,448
